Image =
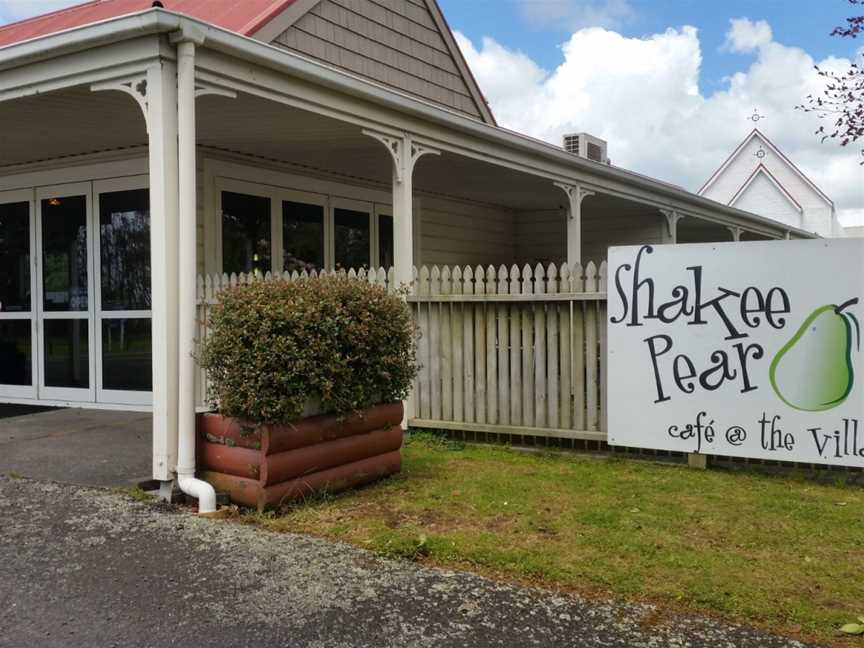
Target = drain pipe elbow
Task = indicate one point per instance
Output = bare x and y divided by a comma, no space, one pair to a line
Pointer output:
200,490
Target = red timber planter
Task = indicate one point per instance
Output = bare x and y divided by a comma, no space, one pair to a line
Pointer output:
265,465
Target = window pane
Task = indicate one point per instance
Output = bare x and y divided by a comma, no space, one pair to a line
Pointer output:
15,258
245,233
67,353
64,250
302,236
16,367
352,238
124,241
126,359
385,241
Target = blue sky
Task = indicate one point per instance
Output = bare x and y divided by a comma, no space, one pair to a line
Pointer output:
802,23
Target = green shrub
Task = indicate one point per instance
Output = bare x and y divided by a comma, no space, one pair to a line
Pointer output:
275,345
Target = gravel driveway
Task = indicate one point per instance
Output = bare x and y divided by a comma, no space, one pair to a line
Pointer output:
91,568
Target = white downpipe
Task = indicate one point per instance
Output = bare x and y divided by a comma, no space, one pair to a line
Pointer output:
198,489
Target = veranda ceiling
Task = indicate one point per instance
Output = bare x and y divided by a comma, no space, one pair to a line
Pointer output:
78,121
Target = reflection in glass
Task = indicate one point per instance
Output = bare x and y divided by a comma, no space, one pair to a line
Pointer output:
67,353
126,358
64,253
302,236
16,367
245,233
385,241
352,238
15,258
124,245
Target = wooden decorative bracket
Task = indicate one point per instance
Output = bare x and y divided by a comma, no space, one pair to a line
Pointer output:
736,232
397,147
575,194
135,87
672,218
203,89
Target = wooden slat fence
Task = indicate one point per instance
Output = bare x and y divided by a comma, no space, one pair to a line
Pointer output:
512,351
509,351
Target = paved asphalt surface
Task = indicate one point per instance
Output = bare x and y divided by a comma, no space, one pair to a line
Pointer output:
86,447
84,567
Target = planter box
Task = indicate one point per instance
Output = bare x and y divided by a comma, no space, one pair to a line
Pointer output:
261,466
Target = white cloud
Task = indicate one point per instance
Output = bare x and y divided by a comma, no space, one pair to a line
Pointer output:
746,36
643,96
576,14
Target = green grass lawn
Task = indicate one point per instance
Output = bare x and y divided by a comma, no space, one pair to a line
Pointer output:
778,552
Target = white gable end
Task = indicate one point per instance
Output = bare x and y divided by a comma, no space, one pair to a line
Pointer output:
760,179
764,197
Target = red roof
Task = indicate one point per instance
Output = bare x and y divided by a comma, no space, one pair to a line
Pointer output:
241,16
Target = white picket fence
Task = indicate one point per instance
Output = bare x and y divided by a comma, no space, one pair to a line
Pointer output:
507,351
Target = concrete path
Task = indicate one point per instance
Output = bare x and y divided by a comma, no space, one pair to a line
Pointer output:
82,568
88,447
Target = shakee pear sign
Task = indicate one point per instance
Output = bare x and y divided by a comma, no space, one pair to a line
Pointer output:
739,349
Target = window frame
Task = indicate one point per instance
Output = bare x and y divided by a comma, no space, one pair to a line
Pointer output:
357,206
114,396
218,181
27,196
72,394
250,189
307,198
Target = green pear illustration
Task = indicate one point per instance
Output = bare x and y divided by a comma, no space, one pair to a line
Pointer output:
813,371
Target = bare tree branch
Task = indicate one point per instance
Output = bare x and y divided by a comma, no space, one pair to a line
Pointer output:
842,100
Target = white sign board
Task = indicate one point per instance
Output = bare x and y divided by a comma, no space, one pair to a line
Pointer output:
739,349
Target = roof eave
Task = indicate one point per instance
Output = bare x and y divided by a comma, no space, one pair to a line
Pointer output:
142,23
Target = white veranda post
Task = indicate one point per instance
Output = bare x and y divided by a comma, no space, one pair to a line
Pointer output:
155,91
405,153
162,127
575,195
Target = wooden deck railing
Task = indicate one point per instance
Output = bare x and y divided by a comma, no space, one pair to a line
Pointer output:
507,351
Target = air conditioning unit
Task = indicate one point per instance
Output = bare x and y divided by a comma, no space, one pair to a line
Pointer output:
587,146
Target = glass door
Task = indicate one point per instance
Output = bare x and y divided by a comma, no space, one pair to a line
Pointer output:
65,295
18,366
122,323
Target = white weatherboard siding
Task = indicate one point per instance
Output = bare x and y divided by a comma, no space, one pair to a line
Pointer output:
602,230
542,236
758,178
764,196
459,233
